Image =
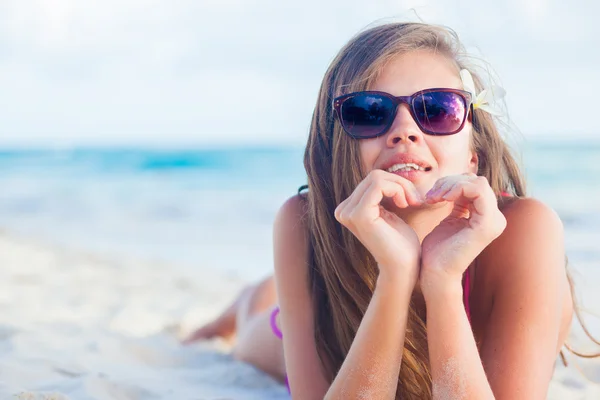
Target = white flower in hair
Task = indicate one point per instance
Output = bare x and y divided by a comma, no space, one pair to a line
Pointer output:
482,100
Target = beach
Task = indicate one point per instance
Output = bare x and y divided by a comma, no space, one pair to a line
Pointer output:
108,259
76,326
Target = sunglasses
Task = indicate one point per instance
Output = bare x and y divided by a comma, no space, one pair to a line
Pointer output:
365,115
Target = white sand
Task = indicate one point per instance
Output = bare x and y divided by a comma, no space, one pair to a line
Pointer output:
74,326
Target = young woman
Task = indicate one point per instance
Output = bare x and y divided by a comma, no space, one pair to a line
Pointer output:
413,266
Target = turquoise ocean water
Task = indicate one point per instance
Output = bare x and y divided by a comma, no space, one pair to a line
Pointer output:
214,208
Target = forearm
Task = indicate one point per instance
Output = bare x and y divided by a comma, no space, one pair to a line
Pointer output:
456,368
371,368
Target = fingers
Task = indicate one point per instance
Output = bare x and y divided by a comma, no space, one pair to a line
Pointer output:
443,185
378,190
472,189
476,191
371,191
354,197
411,194
475,200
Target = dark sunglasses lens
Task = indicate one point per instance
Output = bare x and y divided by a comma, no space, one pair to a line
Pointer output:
366,115
440,113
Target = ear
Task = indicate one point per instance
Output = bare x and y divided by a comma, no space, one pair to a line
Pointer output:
474,162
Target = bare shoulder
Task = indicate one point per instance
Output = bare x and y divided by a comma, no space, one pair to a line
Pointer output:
290,233
526,285
292,214
529,212
533,240
290,255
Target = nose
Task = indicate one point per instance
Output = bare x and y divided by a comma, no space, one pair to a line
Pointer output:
404,128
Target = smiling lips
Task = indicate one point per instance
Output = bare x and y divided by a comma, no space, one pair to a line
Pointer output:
406,166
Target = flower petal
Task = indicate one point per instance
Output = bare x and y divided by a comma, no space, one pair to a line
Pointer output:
489,110
481,97
467,81
493,93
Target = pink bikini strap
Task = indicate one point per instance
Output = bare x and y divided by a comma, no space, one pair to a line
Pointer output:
467,292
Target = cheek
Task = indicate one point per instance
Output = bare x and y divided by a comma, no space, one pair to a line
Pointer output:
369,151
454,152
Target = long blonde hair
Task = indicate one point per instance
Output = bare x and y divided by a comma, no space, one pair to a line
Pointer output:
342,273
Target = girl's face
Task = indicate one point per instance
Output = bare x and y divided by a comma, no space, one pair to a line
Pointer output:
443,155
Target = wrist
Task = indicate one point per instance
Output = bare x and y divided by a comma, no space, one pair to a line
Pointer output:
398,278
440,286
395,290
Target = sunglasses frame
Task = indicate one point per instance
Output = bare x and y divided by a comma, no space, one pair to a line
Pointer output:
409,101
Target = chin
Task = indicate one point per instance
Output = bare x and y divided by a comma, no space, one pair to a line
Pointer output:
425,186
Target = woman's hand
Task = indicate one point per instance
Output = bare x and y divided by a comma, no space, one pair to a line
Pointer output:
393,243
475,221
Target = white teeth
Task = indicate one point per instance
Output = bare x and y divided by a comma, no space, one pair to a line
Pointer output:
405,167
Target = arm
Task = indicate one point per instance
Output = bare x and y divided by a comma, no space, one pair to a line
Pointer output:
290,246
526,268
371,368
456,368
521,342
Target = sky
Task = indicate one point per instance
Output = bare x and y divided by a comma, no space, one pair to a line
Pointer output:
232,71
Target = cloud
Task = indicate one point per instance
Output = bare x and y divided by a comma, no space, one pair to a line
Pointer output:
237,70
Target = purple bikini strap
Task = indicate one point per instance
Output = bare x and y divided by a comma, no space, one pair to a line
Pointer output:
274,327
